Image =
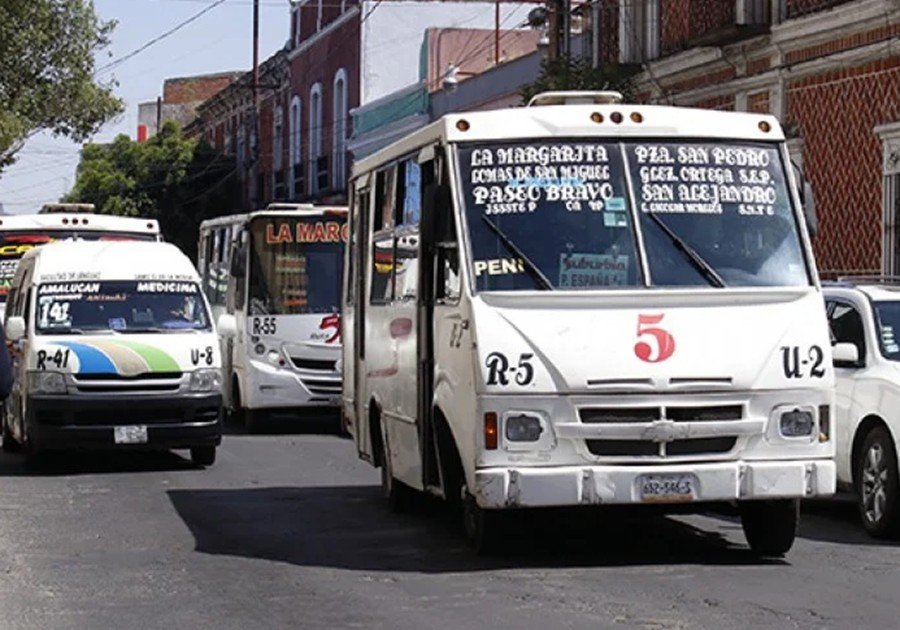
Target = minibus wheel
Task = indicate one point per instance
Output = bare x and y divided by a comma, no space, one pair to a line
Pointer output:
482,527
203,455
9,442
877,484
399,496
770,526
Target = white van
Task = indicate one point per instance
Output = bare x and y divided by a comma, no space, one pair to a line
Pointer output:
114,347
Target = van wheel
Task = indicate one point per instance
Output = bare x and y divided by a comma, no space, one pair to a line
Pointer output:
770,526
203,455
877,484
252,420
483,528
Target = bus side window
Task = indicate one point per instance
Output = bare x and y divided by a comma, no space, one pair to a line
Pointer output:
437,200
385,199
382,290
238,275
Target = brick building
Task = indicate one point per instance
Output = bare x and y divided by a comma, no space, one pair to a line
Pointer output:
179,101
829,69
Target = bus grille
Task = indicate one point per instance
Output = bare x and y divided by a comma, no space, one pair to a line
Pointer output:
322,386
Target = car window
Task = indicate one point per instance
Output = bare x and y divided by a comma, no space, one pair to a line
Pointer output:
846,326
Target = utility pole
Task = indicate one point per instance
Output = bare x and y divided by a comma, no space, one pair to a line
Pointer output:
254,183
496,32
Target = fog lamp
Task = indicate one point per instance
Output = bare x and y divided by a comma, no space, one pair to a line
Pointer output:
796,423
523,428
259,348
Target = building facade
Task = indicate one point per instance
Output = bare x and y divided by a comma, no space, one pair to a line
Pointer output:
179,101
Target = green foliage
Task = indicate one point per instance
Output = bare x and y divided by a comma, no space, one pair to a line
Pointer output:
178,181
574,73
47,79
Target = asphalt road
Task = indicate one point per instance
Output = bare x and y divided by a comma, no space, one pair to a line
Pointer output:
289,531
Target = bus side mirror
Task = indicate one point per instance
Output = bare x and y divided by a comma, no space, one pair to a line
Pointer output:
15,328
227,325
845,355
437,215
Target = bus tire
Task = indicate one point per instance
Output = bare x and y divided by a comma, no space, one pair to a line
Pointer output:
483,528
252,420
10,445
770,526
203,455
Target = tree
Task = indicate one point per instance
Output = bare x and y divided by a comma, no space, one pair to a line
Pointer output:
176,180
575,73
47,79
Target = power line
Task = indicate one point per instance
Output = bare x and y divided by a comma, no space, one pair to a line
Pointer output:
117,62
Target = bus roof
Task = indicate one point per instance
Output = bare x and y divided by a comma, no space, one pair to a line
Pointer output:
301,211
78,221
111,260
582,121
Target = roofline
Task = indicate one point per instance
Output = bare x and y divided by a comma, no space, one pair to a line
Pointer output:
233,219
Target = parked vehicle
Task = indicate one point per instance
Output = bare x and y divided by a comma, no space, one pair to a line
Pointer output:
864,315
588,304
20,233
275,275
116,348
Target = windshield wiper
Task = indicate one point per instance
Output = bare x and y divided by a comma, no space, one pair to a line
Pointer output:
701,265
62,331
126,331
533,268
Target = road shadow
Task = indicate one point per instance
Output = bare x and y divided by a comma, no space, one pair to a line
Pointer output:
290,422
837,520
349,527
78,462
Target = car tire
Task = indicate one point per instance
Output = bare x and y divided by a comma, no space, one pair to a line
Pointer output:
770,526
877,484
203,455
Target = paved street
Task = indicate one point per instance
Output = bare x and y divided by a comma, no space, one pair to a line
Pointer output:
290,531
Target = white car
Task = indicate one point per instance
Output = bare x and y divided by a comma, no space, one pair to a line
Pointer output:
864,317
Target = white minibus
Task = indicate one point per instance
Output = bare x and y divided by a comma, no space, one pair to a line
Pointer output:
584,302
277,272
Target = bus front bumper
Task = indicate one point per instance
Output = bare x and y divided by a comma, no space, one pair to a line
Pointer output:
628,485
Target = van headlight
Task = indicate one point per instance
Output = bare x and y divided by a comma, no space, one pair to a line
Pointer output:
47,382
796,423
206,380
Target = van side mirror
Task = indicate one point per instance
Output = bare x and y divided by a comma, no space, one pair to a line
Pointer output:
437,215
15,328
845,355
227,325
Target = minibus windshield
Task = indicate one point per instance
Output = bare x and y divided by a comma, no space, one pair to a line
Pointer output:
296,264
559,215
120,306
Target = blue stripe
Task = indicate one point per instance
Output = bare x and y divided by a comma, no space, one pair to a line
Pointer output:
90,360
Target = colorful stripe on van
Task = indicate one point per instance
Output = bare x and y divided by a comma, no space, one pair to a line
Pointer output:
124,358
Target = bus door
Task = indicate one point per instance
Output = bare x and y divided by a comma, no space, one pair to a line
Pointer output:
354,316
234,351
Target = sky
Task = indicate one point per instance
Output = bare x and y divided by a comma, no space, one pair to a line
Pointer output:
220,40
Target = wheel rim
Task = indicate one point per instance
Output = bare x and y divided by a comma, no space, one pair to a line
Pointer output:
874,483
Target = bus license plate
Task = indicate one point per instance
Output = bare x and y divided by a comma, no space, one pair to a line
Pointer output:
132,434
667,488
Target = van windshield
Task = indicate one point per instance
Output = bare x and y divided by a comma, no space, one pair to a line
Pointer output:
296,264
120,306
560,215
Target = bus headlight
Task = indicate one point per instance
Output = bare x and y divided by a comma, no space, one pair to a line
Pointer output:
47,382
796,423
206,380
523,427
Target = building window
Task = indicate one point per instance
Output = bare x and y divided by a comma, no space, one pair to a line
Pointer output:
296,154
339,130
638,30
278,138
315,136
890,138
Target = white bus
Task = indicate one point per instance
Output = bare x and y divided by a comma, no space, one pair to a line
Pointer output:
278,273
589,304
20,233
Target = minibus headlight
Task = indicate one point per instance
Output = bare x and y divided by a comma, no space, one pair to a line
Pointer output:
796,423
523,428
206,380
47,382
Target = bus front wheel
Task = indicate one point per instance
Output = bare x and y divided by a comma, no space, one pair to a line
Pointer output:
770,526
483,528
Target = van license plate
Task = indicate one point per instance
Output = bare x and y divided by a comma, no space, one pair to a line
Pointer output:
132,434
667,488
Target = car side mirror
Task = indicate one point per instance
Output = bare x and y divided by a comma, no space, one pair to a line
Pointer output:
845,355
15,328
227,325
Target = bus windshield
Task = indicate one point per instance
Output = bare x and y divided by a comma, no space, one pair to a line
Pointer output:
296,264
14,245
120,306
560,215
